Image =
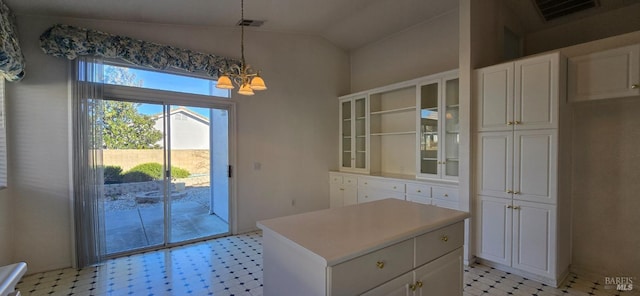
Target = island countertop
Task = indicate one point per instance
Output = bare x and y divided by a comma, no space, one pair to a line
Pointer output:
336,235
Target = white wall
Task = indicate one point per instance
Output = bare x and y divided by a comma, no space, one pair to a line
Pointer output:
612,23
290,129
427,48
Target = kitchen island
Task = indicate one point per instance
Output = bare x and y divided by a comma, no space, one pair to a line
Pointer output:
385,247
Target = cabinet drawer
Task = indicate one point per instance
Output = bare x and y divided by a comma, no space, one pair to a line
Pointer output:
335,179
419,189
434,244
381,185
449,194
419,199
454,205
365,272
349,180
372,195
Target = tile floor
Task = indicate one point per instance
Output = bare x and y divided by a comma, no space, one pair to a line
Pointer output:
233,266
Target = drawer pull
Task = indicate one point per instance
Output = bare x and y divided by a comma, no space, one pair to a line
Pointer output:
516,207
341,189
444,238
419,190
394,187
365,183
509,191
380,264
635,86
517,192
509,206
417,285
446,195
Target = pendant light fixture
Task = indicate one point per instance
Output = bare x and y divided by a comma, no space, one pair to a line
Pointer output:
243,76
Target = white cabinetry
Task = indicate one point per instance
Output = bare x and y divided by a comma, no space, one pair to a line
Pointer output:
342,190
607,74
353,134
349,188
517,155
438,128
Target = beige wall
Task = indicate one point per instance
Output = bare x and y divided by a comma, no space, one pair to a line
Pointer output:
6,229
290,129
612,23
427,48
606,171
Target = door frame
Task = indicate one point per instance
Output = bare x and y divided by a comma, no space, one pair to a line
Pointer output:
169,98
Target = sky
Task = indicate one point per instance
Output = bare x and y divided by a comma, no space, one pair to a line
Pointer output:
177,83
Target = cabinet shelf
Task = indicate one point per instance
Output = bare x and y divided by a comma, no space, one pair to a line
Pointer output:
430,133
453,106
429,158
405,109
453,159
430,109
453,132
394,133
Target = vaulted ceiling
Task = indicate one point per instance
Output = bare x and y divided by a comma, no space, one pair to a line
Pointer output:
348,24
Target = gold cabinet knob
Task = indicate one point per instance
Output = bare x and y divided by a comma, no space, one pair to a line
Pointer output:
380,264
444,162
516,207
446,195
510,123
635,86
365,183
394,187
341,189
415,286
419,190
516,192
509,191
517,122
509,206
444,238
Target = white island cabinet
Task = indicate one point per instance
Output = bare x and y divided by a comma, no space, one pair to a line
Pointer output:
379,248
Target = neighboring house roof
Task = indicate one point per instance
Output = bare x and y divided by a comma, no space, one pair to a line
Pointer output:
185,111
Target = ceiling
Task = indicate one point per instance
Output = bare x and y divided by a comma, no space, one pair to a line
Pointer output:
348,24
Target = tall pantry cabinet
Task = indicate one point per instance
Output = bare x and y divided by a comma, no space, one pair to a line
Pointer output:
521,189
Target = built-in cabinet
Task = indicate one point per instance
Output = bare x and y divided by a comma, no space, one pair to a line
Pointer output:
438,128
401,141
353,134
517,107
343,192
606,74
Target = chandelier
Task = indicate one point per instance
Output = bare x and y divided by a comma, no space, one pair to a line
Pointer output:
243,76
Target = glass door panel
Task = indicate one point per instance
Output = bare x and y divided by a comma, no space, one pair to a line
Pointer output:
452,131
429,129
346,134
134,187
198,154
361,136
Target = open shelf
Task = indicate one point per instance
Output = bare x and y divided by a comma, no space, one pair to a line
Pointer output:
404,109
394,133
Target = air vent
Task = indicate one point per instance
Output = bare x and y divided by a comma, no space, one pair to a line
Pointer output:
553,9
250,23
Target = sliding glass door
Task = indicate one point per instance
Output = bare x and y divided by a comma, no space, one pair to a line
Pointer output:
166,174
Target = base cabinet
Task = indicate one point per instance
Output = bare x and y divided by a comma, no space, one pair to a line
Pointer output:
518,234
342,191
442,276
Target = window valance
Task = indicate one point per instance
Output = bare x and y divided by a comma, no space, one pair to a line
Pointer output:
71,42
11,58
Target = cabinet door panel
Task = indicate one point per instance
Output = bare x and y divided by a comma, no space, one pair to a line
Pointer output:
494,87
495,163
606,74
535,166
494,229
335,195
442,276
536,93
396,287
350,195
534,240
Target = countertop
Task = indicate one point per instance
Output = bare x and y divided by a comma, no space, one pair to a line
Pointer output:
338,234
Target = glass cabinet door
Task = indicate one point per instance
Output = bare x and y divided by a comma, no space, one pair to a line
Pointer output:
345,128
429,95
451,127
360,129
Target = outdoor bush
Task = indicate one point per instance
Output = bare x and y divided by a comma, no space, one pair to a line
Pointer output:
112,174
132,177
154,170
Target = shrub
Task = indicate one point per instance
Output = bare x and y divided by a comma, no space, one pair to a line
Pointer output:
112,174
132,177
155,172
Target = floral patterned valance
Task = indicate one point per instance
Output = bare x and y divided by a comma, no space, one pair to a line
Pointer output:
11,58
71,42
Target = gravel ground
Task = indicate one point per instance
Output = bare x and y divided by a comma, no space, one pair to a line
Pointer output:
128,201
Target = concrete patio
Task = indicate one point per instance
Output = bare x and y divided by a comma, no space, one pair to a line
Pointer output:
141,225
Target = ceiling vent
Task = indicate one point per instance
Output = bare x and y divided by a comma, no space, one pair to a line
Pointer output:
249,23
553,9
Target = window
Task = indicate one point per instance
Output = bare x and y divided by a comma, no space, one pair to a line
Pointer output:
117,74
3,139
